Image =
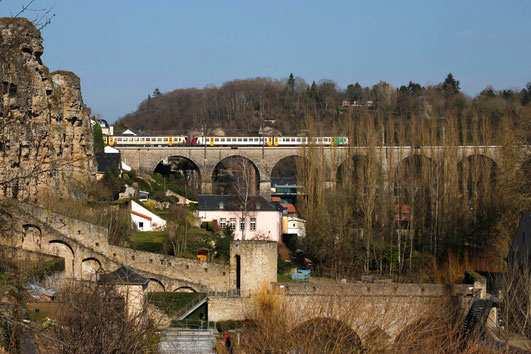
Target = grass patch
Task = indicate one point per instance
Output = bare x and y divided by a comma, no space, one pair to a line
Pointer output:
149,241
37,316
284,278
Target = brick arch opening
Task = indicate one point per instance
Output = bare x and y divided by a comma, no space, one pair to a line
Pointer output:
235,174
184,289
155,285
183,171
325,335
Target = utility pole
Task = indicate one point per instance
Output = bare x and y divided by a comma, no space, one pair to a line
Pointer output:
261,133
204,140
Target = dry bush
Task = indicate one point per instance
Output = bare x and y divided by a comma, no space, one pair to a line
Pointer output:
93,320
336,323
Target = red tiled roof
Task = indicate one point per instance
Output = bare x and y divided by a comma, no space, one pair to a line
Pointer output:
290,207
141,215
275,199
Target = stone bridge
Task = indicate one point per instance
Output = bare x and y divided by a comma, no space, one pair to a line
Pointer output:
87,252
386,309
205,159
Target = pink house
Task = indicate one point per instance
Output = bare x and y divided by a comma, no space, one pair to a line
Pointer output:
255,218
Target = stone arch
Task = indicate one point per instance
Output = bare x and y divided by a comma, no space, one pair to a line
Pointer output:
476,172
356,164
90,266
184,169
185,289
325,334
155,285
27,227
290,171
233,172
68,256
33,234
410,171
64,243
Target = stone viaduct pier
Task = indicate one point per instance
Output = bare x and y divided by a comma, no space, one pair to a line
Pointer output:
264,159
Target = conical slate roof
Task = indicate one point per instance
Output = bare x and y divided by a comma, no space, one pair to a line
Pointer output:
124,276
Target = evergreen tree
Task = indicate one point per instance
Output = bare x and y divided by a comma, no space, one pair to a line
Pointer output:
98,138
450,86
291,83
525,94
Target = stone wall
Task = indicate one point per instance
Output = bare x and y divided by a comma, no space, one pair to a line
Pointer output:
46,140
258,265
199,275
371,289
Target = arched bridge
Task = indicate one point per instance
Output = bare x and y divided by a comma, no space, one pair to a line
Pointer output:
205,159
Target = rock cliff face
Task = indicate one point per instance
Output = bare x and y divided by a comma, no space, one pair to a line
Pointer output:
46,139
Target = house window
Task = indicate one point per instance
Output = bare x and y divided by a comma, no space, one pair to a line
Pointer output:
223,223
253,224
140,225
232,224
242,224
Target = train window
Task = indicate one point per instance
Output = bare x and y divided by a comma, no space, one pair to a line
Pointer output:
165,139
222,139
141,139
136,139
255,139
159,139
118,139
216,139
299,140
239,139
293,139
244,139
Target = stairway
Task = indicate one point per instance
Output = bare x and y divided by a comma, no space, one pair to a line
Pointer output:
477,316
187,341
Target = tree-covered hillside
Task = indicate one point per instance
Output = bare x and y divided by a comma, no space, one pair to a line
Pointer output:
241,106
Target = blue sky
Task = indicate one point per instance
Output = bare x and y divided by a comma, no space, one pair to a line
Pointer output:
122,50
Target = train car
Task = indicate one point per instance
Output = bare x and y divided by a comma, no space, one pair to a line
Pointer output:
147,141
229,141
267,141
298,140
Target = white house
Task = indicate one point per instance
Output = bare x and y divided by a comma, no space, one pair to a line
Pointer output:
145,220
261,219
296,226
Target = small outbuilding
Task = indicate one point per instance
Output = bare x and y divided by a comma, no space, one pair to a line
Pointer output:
129,284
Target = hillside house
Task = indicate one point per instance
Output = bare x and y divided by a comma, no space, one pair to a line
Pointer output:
261,220
145,220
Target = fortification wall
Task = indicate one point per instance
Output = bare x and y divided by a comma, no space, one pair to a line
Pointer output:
214,276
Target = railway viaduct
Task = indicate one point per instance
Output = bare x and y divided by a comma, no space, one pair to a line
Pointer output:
264,159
